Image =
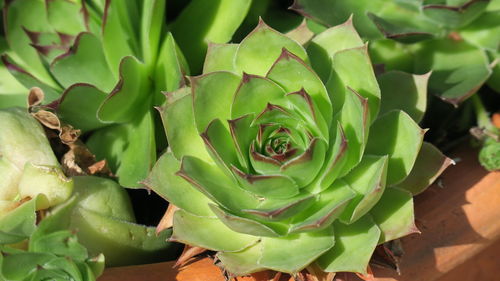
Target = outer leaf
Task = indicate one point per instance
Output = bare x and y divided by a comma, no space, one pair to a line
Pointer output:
330,205
170,69
84,63
18,18
429,165
220,57
218,21
119,33
209,233
394,214
353,63
324,45
129,149
212,97
152,24
242,262
19,224
174,189
78,106
368,181
397,135
354,246
180,128
265,40
123,243
130,95
244,225
458,68
404,92
28,80
215,184
280,254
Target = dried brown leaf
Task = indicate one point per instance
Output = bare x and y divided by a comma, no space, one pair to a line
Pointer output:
188,253
168,218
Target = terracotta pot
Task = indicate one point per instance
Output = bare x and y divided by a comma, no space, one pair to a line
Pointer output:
459,217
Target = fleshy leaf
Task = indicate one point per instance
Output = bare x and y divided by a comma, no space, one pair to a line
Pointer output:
253,94
174,189
212,97
454,15
78,106
397,135
243,225
269,186
183,129
122,242
220,57
18,17
84,63
219,21
47,180
458,68
151,27
215,184
334,160
354,119
242,134
119,32
304,168
209,233
280,254
220,146
265,40
429,165
403,91
128,148
19,224
28,80
291,73
353,63
242,262
324,45
64,16
368,180
170,69
330,205
393,214
355,244
130,95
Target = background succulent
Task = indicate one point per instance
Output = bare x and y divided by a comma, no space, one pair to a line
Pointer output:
459,41
103,64
281,156
46,217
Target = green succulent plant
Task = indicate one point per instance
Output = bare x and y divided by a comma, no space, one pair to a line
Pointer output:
102,65
41,208
279,158
459,41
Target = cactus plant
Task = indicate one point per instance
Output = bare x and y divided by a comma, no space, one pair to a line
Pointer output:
277,161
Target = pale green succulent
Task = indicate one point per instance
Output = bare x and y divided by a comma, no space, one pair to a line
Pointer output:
279,159
98,210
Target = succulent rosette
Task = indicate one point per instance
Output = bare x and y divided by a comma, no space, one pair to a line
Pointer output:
277,165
